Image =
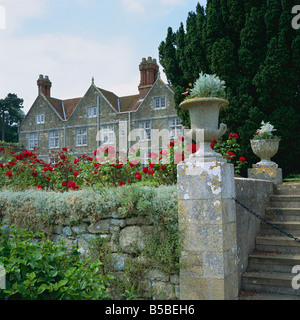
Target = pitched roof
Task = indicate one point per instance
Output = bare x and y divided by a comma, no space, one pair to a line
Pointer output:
121,104
129,103
64,107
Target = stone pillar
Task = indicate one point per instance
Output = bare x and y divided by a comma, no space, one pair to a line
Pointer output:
207,219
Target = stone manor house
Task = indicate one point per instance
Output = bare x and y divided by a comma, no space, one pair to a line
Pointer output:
100,117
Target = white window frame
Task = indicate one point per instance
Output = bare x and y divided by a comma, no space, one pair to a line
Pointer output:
159,103
40,118
33,140
91,112
145,128
175,126
108,134
81,137
54,139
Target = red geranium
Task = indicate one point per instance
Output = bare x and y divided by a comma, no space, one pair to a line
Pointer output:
153,155
138,175
134,162
212,144
233,135
9,174
72,185
145,170
242,159
231,155
193,148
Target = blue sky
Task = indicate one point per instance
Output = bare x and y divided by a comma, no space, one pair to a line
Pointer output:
72,41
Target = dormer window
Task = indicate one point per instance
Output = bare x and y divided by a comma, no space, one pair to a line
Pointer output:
159,103
40,118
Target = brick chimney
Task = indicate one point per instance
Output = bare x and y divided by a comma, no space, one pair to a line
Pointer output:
44,85
149,74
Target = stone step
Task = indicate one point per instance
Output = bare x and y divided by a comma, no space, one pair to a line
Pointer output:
280,244
285,201
273,261
255,295
283,214
287,188
269,282
292,227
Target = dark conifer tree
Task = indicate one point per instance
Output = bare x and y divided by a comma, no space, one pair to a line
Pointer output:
252,46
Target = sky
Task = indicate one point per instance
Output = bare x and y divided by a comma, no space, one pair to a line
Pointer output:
73,41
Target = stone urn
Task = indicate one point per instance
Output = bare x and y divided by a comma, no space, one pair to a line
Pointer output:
204,115
265,149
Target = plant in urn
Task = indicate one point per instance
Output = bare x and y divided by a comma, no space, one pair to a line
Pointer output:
265,145
204,102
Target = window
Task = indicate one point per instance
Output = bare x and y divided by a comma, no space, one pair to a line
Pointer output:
159,102
40,118
175,128
92,112
33,141
108,134
53,139
146,133
81,137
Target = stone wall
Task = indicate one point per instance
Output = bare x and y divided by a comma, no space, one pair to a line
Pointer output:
254,194
120,236
127,240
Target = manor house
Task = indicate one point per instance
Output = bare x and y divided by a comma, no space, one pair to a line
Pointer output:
100,117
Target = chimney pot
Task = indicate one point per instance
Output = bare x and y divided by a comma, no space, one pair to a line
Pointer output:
44,85
149,73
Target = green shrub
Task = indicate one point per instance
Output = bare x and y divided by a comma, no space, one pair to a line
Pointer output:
41,270
39,210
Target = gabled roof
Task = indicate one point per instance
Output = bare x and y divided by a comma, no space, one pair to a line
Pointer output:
121,104
129,103
64,107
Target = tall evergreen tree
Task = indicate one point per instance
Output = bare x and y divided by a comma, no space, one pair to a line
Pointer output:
11,115
251,45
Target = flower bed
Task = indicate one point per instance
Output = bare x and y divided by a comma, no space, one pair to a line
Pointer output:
107,168
24,170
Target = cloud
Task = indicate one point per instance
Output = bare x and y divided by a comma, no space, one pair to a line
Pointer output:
70,62
18,11
172,2
134,6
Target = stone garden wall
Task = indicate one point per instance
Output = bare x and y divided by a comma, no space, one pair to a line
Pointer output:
253,193
132,230
97,225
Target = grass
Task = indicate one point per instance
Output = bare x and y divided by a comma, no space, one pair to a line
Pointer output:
292,178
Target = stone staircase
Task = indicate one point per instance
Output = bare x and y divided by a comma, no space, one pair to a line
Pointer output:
269,275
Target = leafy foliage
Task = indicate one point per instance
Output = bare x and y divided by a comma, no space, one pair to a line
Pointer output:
10,115
208,86
38,269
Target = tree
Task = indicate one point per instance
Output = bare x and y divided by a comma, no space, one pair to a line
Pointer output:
251,45
11,115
